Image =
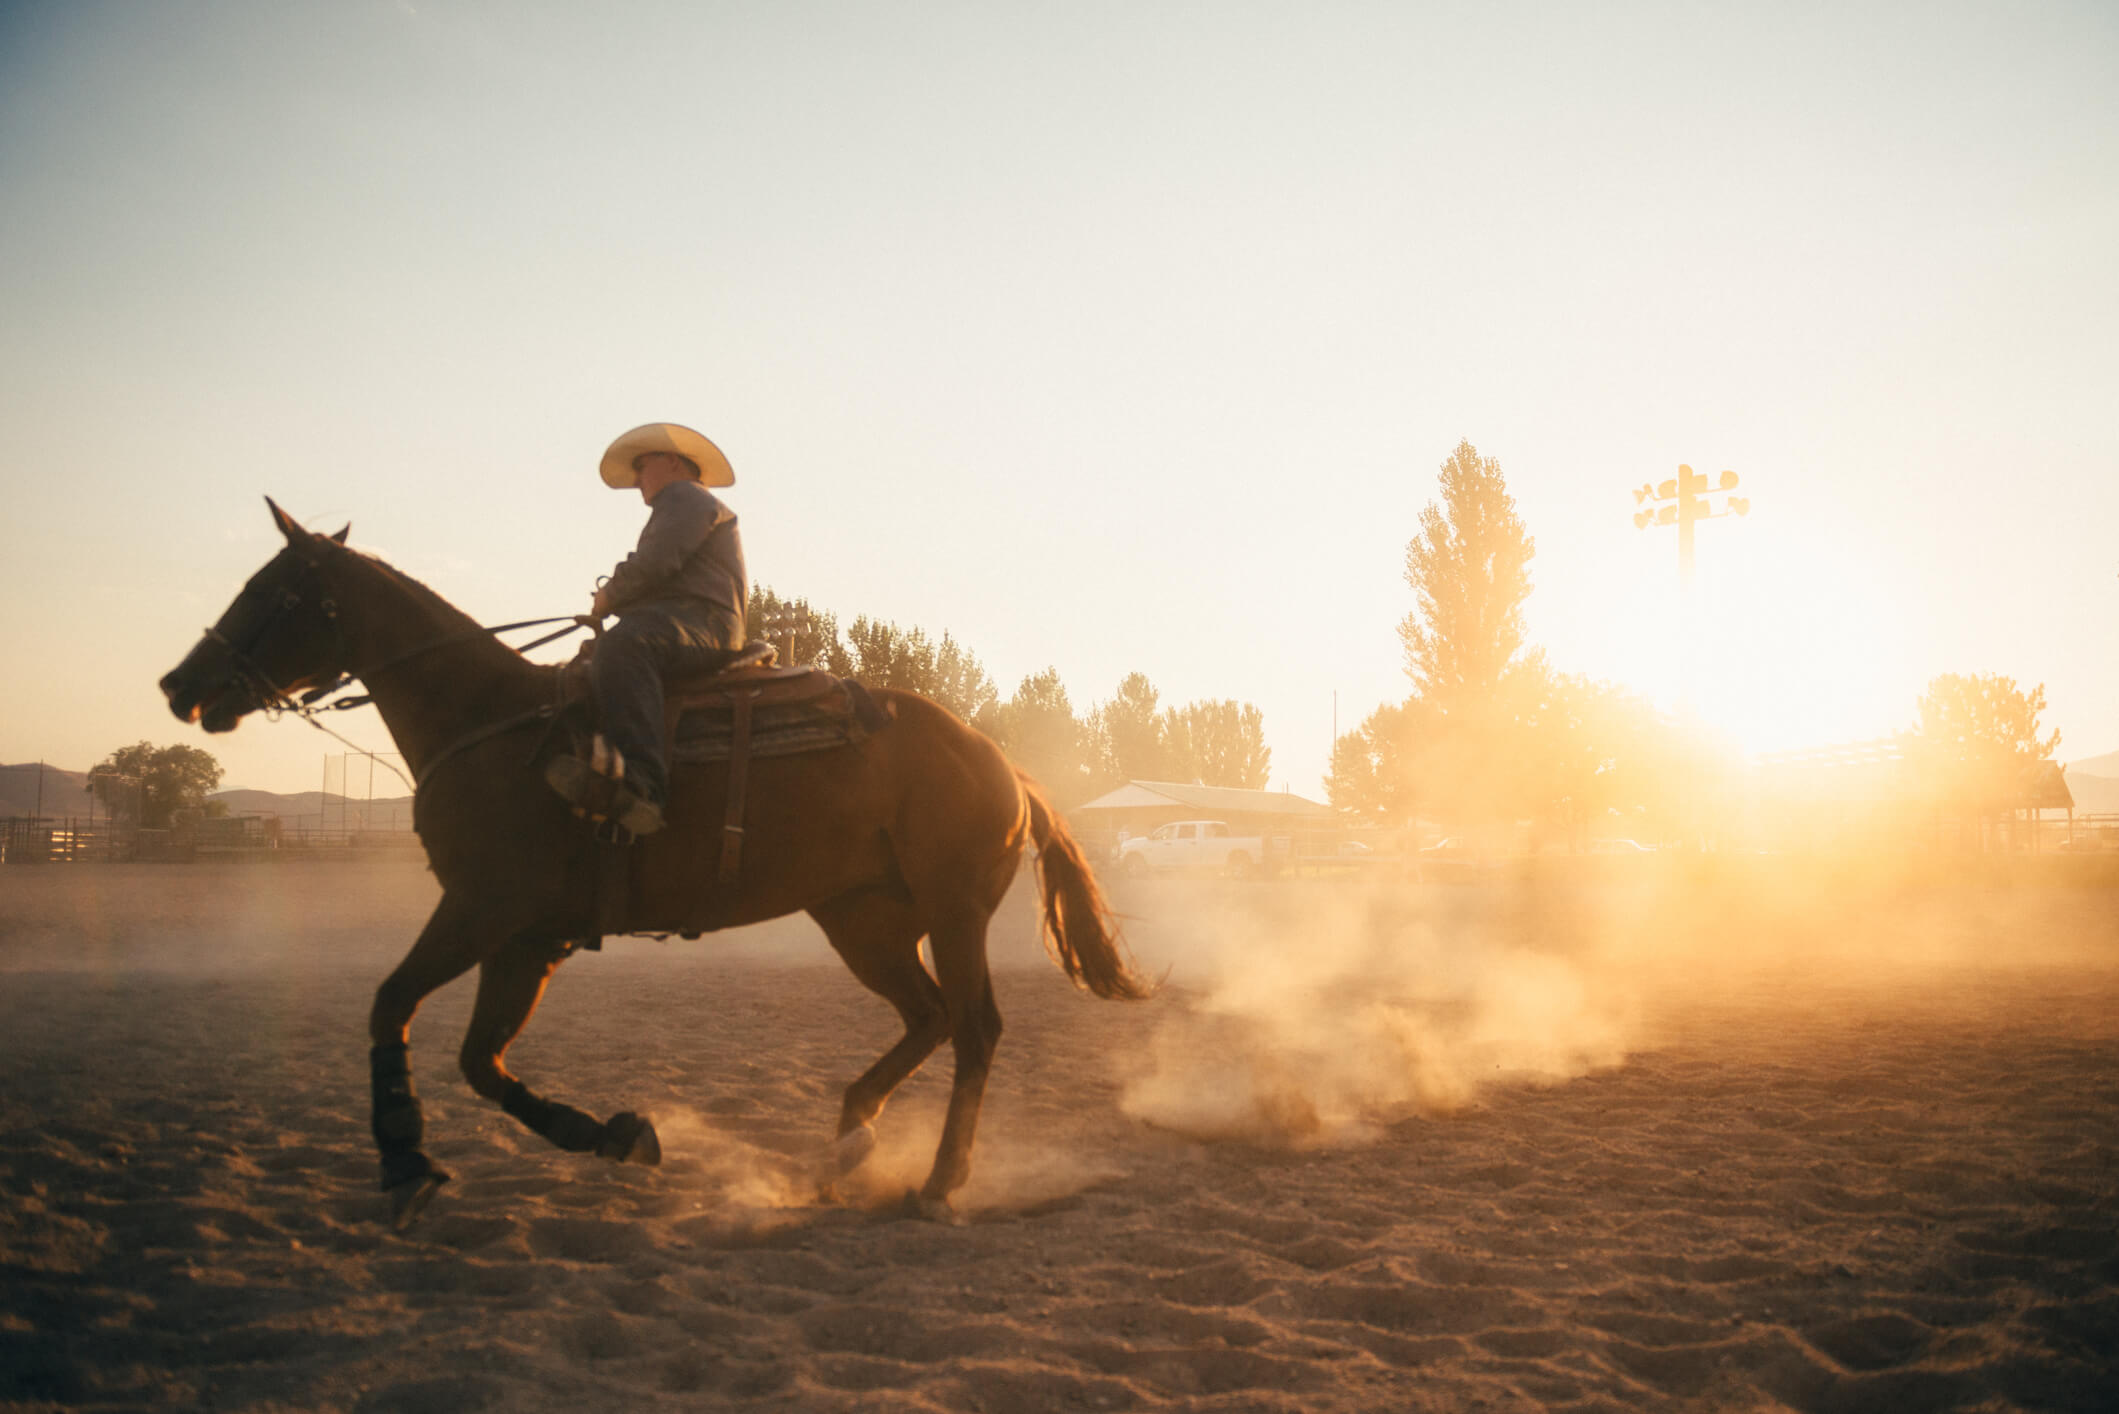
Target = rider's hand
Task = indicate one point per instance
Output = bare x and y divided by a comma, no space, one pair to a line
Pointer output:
599,607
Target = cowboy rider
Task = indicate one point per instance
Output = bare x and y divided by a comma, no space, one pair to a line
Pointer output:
679,598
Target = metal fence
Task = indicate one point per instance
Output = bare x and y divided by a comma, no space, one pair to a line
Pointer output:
38,840
26,840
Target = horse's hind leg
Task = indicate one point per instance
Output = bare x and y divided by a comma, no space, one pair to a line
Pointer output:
510,983
876,934
975,1027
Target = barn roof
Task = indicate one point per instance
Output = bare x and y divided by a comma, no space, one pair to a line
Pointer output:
1135,795
2045,787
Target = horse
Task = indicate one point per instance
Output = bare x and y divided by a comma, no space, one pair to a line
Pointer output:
914,832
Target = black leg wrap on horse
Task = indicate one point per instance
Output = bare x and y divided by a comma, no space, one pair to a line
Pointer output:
404,1167
567,1127
398,1125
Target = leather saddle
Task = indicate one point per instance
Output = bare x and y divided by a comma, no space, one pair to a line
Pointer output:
756,666
804,705
749,709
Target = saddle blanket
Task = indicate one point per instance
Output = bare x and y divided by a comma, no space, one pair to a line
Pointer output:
846,717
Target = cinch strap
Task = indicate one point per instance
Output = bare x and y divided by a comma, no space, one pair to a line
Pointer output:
738,772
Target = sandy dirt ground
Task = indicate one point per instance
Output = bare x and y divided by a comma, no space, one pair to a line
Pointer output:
1629,1144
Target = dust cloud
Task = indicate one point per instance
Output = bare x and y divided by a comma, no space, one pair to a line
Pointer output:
742,1182
1308,1013
209,918
1310,1016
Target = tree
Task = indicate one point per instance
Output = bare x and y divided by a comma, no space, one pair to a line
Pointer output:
1580,748
1470,571
1977,733
960,682
1371,777
802,634
146,784
1450,747
884,655
1129,740
1037,728
1219,744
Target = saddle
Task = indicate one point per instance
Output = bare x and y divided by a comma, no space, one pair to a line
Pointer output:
790,710
752,707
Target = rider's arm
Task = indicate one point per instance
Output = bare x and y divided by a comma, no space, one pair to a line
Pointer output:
684,514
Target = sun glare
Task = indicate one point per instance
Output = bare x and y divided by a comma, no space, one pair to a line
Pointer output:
1795,643
1791,639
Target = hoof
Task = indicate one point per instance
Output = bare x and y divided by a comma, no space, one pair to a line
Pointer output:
409,1199
839,1158
933,1210
630,1139
852,1150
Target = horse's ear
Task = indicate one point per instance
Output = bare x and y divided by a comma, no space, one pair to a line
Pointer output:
343,532
294,533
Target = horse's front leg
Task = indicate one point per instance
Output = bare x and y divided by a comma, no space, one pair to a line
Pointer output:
455,939
510,983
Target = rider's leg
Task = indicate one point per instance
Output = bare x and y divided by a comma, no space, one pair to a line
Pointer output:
650,649
627,674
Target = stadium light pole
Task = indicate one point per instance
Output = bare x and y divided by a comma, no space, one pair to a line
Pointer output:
1684,501
790,620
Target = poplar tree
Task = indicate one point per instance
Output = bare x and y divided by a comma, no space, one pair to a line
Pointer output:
1470,571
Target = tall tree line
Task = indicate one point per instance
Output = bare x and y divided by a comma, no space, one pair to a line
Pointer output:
1076,754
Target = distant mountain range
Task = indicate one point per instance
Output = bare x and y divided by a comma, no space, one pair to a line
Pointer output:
2105,765
2095,794
30,788
64,794
319,811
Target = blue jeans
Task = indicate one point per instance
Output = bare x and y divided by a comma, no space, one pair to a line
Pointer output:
633,659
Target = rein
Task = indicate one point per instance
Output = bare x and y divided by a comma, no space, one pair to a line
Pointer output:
315,694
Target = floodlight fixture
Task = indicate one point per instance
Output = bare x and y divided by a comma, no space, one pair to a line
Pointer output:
1685,502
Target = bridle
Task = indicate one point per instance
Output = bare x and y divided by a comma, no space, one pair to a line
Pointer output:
260,691
263,694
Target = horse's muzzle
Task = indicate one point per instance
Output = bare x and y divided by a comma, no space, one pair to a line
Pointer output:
195,694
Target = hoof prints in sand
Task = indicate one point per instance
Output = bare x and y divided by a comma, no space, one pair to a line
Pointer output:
1819,1208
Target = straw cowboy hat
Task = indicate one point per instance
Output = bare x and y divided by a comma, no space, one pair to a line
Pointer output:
617,467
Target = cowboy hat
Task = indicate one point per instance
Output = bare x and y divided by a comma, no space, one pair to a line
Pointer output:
617,467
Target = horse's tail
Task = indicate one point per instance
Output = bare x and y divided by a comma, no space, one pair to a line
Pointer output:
1078,926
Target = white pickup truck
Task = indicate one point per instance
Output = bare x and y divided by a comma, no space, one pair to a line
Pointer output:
1192,846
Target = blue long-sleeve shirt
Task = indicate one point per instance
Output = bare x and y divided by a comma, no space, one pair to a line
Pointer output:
688,565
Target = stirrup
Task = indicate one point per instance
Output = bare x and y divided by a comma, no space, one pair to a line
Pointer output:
602,800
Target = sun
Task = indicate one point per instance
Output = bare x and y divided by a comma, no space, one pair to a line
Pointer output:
1792,637
1796,641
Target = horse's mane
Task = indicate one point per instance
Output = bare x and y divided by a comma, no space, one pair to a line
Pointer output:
448,618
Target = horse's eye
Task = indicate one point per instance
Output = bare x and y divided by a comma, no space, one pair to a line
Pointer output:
290,598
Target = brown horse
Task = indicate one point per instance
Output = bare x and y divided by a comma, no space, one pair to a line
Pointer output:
915,832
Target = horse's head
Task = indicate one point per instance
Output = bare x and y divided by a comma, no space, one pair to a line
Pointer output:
280,636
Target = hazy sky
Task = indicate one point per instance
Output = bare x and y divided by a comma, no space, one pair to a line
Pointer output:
1106,337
